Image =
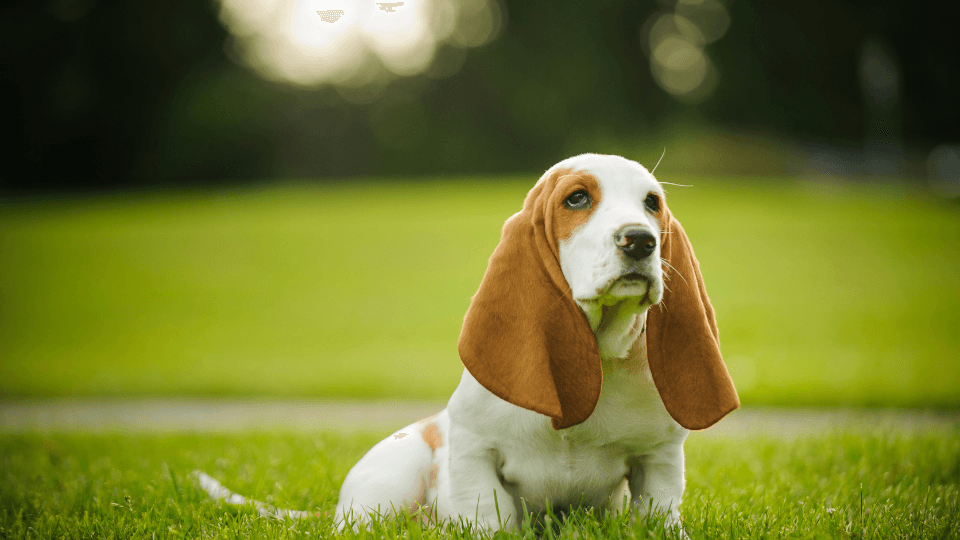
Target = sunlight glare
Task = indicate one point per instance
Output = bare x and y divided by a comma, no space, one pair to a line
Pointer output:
366,46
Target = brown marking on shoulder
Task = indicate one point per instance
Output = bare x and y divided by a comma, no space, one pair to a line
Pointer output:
568,182
431,436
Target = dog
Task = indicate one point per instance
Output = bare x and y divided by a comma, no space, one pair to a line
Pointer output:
590,350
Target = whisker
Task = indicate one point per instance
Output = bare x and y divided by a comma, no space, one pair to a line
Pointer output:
659,160
672,184
674,269
663,271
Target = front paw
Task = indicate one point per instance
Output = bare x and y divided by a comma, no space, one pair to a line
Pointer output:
669,516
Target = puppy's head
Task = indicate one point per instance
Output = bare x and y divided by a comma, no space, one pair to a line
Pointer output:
608,230
582,257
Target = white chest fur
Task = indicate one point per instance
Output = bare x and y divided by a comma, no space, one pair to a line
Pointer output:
583,464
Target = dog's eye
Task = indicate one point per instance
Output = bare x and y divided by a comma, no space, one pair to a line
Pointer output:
578,200
652,202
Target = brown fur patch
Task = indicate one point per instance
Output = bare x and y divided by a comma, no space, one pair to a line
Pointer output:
434,470
565,220
683,343
524,339
663,218
431,436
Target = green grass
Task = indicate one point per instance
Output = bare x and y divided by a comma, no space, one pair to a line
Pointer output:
135,486
826,294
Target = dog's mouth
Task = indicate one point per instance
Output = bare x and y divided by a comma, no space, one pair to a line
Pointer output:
631,284
629,280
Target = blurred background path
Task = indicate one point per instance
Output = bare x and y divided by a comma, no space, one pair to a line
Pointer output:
184,415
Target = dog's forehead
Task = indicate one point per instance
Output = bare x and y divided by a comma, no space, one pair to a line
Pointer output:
617,176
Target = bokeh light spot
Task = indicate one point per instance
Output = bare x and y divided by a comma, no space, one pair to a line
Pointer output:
366,47
675,44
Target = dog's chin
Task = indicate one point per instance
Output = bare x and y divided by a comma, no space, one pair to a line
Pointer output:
612,313
633,288
613,305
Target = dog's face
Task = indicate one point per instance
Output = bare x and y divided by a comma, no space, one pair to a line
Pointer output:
611,257
590,240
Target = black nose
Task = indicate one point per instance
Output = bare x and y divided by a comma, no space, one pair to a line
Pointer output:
635,242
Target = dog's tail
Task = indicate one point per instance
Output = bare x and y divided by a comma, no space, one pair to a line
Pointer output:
219,493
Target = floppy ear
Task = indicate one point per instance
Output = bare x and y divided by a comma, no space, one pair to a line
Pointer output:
683,343
523,337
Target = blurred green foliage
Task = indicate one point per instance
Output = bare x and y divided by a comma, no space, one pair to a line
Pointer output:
121,94
826,293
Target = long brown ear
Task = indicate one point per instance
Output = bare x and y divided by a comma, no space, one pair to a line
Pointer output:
683,343
524,339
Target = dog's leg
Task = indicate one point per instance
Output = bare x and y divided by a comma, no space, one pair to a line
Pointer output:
657,482
392,476
620,498
476,493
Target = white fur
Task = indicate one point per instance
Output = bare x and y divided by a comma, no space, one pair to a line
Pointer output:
495,453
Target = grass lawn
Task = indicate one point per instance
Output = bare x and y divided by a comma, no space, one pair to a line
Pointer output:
138,486
826,294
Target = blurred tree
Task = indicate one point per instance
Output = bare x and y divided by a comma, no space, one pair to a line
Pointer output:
85,85
793,66
111,94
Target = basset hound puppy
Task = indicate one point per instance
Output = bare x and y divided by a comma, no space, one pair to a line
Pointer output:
590,349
